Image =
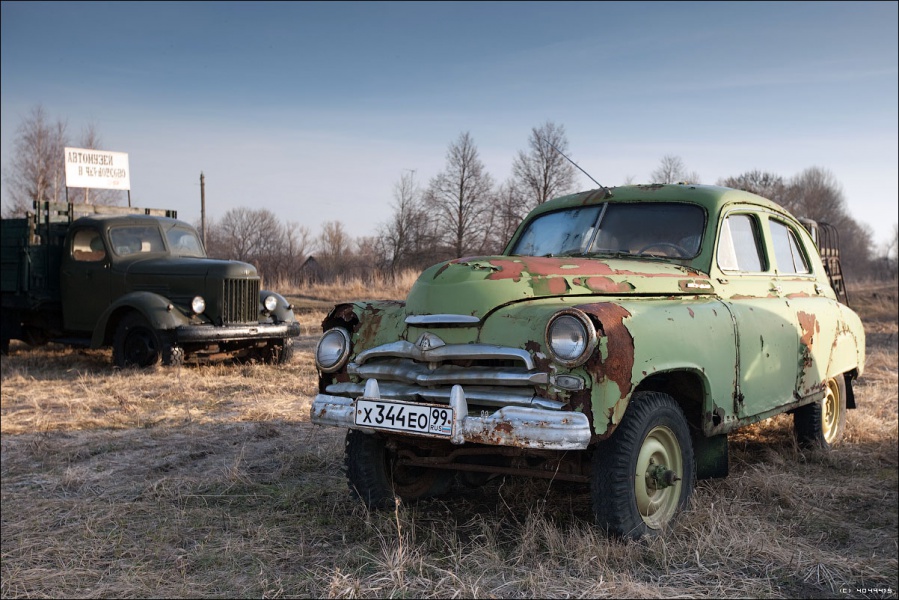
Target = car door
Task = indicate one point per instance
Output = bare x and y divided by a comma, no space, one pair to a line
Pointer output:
767,346
814,308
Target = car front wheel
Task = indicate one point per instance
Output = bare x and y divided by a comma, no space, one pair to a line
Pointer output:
376,476
643,474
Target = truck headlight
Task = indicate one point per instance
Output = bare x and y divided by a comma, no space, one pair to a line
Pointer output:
198,305
270,303
571,337
332,350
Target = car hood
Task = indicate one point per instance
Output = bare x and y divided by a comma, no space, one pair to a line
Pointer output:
475,286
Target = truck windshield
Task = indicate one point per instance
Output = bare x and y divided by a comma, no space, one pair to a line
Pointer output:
183,241
639,229
134,239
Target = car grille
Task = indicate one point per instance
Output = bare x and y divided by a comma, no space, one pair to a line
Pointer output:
490,375
240,301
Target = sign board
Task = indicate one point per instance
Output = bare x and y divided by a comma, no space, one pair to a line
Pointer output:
86,168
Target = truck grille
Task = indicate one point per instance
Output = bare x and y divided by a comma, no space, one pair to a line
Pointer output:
240,301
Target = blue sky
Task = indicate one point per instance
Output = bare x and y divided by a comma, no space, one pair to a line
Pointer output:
315,110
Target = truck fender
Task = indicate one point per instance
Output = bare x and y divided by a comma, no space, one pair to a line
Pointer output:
156,309
283,311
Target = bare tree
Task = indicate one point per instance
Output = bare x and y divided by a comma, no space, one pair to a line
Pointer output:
258,237
672,170
507,210
815,193
404,241
334,247
542,173
36,171
459,197
767,185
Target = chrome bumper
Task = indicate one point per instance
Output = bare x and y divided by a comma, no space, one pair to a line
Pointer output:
517,426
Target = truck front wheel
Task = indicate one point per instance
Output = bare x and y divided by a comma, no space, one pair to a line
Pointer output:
137,344
375,476
643,474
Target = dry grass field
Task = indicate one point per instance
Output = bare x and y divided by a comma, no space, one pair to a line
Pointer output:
209,481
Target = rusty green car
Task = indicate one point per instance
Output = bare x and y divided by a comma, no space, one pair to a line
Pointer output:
619,338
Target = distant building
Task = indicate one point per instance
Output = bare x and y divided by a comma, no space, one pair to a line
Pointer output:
312,271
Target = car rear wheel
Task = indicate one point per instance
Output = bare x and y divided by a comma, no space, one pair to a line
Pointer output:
642,476
821,424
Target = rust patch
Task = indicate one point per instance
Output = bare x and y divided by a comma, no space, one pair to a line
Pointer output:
799,295
692,314
608,285
550,285
810,326
619,364
543,364
595,195
442,269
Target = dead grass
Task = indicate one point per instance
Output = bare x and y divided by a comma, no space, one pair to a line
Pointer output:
208,481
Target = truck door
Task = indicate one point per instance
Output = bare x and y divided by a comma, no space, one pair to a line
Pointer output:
767,346
84,280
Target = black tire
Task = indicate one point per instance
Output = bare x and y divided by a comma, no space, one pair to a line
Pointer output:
278,353
374,477
821,424
272,353
632,484
137,344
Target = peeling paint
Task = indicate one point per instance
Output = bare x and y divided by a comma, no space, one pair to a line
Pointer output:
618,364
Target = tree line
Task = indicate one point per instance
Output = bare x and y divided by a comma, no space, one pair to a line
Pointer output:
460,211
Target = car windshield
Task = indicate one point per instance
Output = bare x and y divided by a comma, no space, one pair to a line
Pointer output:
638,229
183,241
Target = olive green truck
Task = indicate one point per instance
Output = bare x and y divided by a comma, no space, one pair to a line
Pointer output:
136,280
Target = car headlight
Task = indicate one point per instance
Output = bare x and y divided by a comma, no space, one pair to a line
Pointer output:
571,337
332,350
198,305
270,303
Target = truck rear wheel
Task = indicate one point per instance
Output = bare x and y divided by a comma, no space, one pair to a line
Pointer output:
643,474
374,475
137,344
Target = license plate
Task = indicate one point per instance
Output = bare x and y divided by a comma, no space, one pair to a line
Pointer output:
425,419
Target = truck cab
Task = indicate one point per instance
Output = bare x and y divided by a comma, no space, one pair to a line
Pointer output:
140,283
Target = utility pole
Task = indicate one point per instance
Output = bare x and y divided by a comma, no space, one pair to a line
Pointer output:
203,207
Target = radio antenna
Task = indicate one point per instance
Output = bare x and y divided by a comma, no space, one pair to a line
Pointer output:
551,145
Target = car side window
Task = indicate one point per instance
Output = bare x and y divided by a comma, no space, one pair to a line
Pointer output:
87,246
738,245
787,251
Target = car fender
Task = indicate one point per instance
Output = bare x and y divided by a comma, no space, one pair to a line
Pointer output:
651,339
156,309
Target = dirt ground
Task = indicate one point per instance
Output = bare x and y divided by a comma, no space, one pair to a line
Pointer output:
209,481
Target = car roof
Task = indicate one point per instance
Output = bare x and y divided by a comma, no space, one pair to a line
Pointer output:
711,197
